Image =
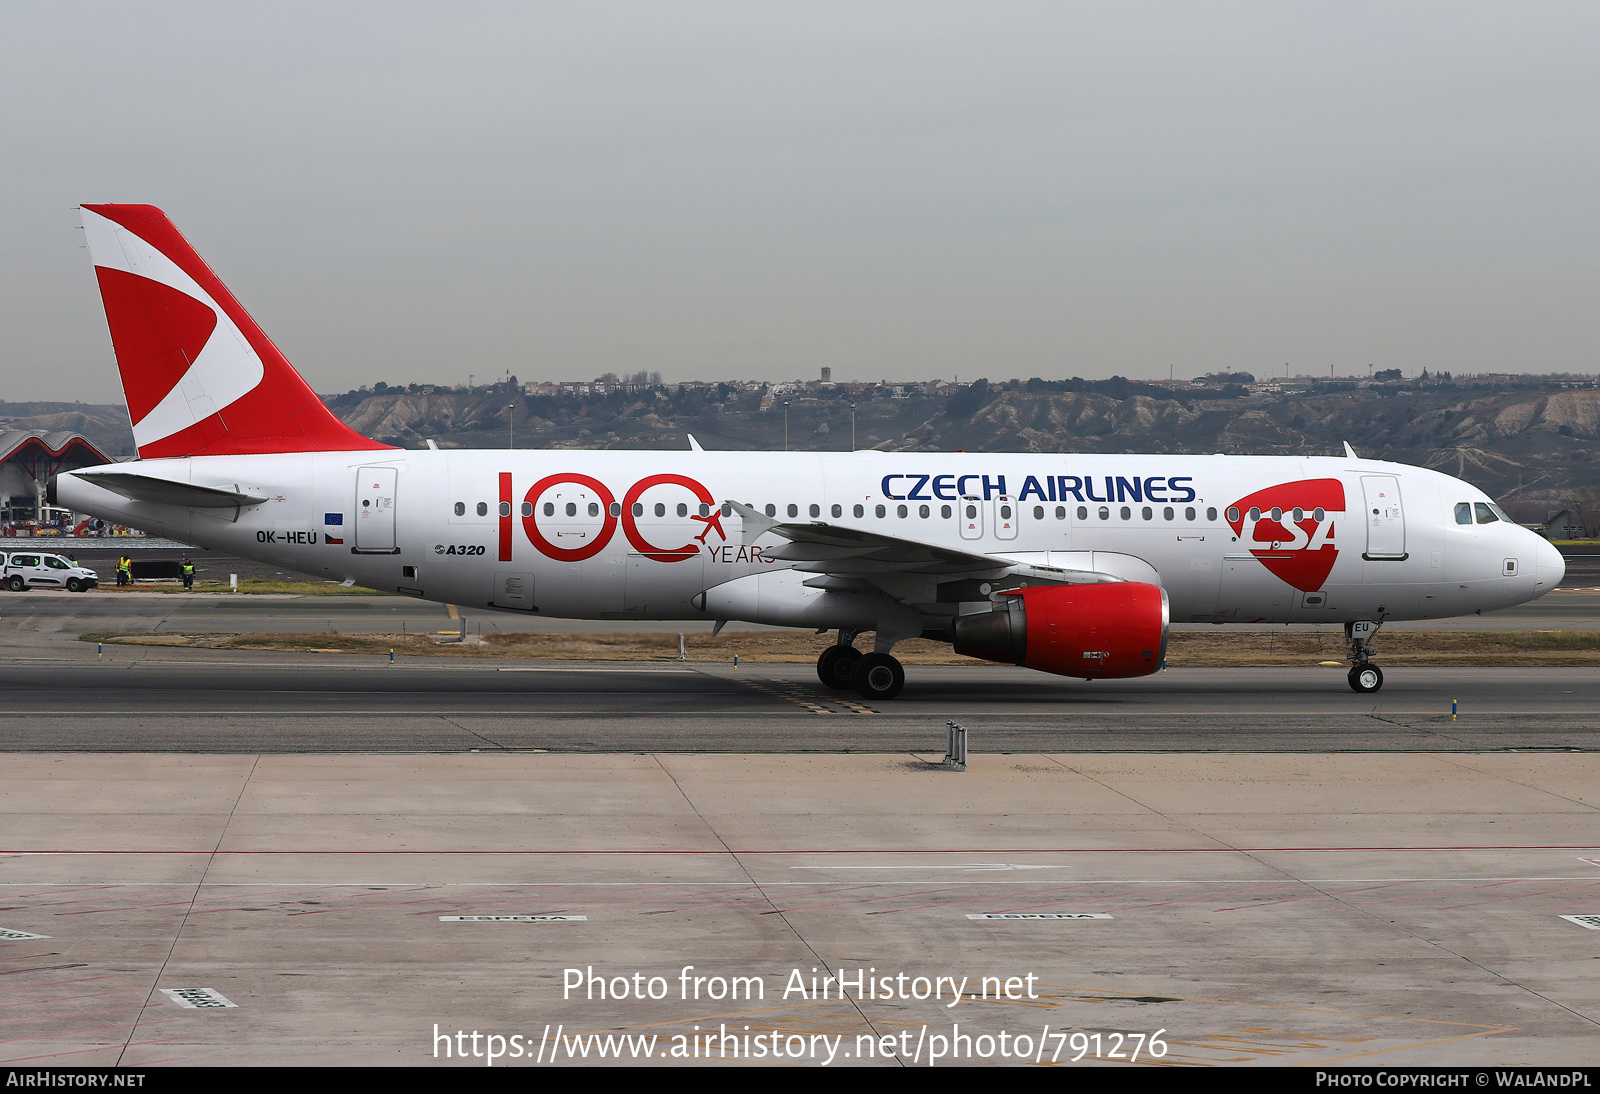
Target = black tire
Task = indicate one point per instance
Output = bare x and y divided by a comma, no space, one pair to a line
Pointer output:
16,584
836,668
74,585
1366,679
879,676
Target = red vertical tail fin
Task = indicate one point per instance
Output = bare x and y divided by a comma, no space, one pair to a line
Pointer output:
201,378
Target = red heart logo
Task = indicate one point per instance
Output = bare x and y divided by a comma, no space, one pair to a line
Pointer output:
1300,552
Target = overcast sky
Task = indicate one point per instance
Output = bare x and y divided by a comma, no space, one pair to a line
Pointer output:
413,193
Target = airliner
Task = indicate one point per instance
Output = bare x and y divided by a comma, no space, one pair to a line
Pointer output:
1067,563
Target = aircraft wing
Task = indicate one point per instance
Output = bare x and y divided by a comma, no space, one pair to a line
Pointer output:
906,568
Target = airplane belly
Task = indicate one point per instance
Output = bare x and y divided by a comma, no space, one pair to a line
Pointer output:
1249,593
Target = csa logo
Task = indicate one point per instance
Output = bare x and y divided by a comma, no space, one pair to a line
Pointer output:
1290,528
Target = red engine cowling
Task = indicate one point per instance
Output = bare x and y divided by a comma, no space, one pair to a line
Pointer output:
1116,629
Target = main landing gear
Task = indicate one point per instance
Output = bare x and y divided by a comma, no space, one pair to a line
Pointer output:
1365,677
842,667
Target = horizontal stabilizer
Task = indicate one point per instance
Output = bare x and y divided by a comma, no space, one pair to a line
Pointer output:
166,492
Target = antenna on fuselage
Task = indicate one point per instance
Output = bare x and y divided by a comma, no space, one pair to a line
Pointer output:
1349,452
694,445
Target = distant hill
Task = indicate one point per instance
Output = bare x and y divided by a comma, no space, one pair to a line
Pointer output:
1527,442
1518,441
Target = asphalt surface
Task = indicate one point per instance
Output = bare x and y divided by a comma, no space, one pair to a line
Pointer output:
57,692
248,701
1265,888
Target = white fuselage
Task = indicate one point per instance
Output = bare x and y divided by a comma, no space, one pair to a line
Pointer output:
599,535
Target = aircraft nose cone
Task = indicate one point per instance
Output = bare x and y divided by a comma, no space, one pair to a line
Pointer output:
1552,567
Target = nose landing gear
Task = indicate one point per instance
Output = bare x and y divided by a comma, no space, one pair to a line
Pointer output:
1365,677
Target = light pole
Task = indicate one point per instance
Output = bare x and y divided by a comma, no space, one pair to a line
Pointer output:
786,425
511,425
852,427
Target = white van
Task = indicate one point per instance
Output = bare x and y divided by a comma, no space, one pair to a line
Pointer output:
25,570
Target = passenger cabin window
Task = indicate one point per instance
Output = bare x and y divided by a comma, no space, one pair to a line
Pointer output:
483,508
815,510
879,511
900,510
772,510
1463,512
860,510
461,511
1038,512
837,510
794,510
923,511
1061,512
944,511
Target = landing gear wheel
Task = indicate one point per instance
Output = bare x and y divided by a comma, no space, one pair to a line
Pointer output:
16,584
74,585
1366,679
879,676
836,668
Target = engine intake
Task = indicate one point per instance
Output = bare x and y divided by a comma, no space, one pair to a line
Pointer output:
1098,632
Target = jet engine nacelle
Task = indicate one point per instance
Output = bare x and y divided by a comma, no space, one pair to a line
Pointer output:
1104,631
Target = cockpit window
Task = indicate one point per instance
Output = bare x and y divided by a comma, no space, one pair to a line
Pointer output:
1463,512
1486,513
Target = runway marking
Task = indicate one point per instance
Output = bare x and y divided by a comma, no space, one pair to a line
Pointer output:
595,668
963,866
792,692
